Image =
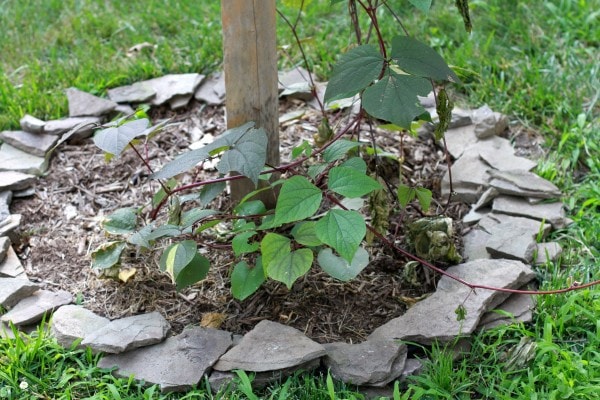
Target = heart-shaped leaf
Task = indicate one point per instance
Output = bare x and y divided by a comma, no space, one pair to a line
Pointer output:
121,221
245,279
291,266
343,230
339,268
114,140
298,199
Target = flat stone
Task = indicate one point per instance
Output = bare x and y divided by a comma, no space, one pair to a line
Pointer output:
5,200
13,159
83,104
13,290
17,194
124,109
459,139
412,366
11,266
515,238
180,101
12,180
177,364
469,178
212,90
129,333
295,83
138,92
169,86
270,346
60,126
4,246
518,306
37,144
373,363
6,331
9,225
524,184
474,245
460,118
486,198
551,212
440,322
32,124
33,308
547,252
500,155
72,323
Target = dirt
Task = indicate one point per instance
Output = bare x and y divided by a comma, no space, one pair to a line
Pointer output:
61,227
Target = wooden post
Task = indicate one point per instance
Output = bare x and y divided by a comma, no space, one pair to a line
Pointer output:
250,65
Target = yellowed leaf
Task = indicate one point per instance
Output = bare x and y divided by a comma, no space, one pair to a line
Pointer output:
126,274
213,320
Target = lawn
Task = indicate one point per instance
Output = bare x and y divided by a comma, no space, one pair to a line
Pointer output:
534,61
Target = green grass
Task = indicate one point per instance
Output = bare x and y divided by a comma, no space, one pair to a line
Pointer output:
535,61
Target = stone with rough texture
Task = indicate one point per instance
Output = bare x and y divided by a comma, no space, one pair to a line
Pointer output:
12,180
83,104
169,86
440,322
13,290
37,144
138,92
5,200
412,366
60,126
270,346
4,246
33,308
212,90
295,84
547,252
128,333
511,205
474,245
32,124
500,154
459,139
373,363
485,122
11,266
518,305
13,159
178,102
470,177
524,184
9,225
486,198
176,364
71,323
514,238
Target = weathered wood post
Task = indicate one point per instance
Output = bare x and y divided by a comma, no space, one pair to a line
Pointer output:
250,65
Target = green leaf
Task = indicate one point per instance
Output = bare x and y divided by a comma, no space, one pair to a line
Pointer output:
274,245
316,169
164,230
245,279
177,256
209,192
288,267
304,233
394,98
341,269
107,255
304,148
190,217
192,272
351,183
424,196
140,238
356,163
417,58
343,230
122,221
253,207
422,5
114,140
353,72
338,149
206,226
298,199
240,243
406,194
247,155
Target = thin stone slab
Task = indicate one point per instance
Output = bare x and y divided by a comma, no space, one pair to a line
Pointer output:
373,363
486,198
459,139
83,104
295,83
177,364
37,144
32,124
474,245
4,246
129,333
12,180
212,90
33,308
60,126
13,159
515,238
5,200
169,86
500,154
524,184
72,323
13,290
270,346
11,266
469,178
516,206
9,225
547,252
518,306
138,92
434,318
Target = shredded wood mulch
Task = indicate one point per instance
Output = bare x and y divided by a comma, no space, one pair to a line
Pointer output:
61,227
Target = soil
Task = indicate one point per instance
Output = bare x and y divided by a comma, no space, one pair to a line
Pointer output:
61,227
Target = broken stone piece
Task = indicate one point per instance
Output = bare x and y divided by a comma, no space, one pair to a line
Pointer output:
212,90
128,333
474,245
5,200
8,226
485,122
33,308
71,323
13,290
500,154
518,306
32,124
13,159
83,104
138,92
4,246
32,143
547,252
169,86
11,266
177,364
295,83
524,184
515,238
12,180
511,205
270,346
60,126
459,139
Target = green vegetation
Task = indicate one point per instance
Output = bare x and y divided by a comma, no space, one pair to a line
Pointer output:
535,61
